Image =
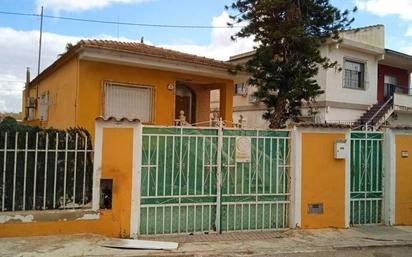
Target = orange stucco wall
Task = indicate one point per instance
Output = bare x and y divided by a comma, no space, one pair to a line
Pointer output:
403,193
323,181
93,74
62,87
117,159
117,154
76,93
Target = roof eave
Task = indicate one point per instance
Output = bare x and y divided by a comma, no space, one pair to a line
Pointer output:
56,64
398,54
145,61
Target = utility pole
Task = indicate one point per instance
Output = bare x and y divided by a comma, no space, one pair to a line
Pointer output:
117,27
41,35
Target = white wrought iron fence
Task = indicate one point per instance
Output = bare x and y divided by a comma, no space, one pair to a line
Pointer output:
45,170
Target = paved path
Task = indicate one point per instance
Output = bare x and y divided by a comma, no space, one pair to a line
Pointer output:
373,241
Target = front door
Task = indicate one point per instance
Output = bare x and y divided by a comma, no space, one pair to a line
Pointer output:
184,102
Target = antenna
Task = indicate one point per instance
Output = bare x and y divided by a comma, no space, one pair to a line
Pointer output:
117,27
41,35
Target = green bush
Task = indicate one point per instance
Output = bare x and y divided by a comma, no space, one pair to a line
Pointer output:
36,179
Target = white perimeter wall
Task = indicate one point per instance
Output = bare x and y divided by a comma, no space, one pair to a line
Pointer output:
404,119
253,119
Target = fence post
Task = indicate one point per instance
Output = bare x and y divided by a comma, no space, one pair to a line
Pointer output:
136,181
389,177
97,164
347,178
296,178
219,176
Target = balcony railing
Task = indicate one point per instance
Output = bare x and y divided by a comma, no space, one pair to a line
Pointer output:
402,102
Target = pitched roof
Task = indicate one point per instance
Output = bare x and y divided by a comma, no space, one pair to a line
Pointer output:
153,51
134,48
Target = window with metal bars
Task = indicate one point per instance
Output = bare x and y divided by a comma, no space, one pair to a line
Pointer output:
354,75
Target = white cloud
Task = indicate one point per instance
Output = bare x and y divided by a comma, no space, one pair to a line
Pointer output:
407,50
221,47
19,49
409,32
80,5
402,8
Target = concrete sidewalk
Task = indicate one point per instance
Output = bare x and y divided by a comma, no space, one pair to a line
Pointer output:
247,243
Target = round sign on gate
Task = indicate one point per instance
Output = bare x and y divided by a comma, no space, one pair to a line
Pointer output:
243,149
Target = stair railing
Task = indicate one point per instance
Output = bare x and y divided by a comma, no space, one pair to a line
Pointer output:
377,112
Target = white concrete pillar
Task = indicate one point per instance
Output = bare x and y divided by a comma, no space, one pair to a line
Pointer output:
389,177
296,178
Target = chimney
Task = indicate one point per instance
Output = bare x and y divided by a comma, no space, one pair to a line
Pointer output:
26,93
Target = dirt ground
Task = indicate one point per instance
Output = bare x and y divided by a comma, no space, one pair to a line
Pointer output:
374,241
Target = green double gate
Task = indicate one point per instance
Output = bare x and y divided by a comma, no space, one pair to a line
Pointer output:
366,194
202,179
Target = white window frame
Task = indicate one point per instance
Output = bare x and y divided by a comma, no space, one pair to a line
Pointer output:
243,86
108,83
363,73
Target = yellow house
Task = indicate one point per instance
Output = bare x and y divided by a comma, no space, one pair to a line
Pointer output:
127,80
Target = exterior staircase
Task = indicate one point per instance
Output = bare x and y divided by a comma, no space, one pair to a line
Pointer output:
375,116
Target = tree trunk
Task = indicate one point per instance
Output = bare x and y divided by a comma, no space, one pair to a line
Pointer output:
277,117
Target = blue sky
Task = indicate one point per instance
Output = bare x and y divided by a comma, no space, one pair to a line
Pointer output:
190,12
19,35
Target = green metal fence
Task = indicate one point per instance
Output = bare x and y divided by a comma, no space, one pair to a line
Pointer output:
366,178
180,176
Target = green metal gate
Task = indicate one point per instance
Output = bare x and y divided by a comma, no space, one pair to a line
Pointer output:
366,195
255,193
183,166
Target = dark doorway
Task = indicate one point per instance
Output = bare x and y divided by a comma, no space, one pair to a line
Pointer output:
390,85
185,101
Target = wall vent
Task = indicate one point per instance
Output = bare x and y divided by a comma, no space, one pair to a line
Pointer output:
315,208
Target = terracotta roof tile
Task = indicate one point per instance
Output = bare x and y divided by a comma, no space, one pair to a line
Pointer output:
400,127
153,51
124,119
321,125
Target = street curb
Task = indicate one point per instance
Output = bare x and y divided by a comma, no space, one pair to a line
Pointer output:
352,247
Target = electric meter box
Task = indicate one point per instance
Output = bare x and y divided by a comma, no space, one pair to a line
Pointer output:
340,149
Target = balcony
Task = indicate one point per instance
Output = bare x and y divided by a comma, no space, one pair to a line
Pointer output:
402,102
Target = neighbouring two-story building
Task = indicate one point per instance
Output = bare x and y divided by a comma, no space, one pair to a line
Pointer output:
373,86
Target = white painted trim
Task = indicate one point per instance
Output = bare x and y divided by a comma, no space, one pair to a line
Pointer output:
359,46
148,62
347,179
136,181
219,177
97,164
389,176
296,178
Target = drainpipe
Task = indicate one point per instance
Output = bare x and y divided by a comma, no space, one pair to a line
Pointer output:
27,94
